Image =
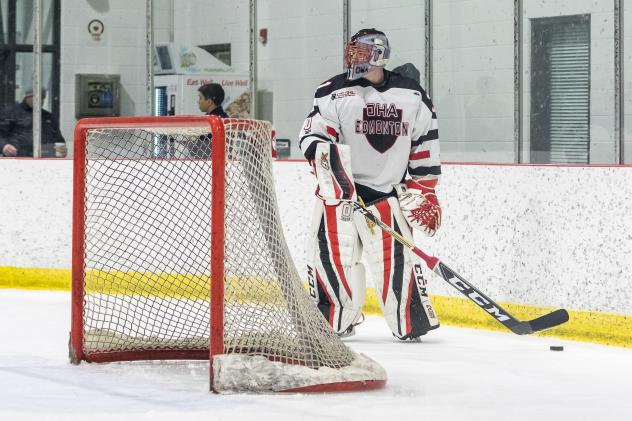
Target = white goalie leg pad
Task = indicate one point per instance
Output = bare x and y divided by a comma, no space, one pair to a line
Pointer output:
397,275
421,309
335,277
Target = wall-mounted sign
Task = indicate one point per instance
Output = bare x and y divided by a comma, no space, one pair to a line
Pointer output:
96,28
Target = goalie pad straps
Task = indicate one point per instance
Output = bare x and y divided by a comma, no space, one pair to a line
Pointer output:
333,170
397,275
335,276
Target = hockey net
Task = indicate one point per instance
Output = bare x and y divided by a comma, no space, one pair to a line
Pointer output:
177,245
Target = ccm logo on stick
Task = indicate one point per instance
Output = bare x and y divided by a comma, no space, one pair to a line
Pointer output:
475,296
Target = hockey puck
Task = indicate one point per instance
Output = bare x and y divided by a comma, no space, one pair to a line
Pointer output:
556,348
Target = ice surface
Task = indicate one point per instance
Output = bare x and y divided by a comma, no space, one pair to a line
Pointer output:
453,374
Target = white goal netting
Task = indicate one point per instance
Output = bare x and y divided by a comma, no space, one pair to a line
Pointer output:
147,217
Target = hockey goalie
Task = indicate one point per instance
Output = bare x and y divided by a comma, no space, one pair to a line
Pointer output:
371,137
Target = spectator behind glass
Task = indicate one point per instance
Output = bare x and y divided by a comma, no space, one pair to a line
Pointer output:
16,130
210,98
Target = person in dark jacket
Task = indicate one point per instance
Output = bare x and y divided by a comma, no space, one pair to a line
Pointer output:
16,130
210,98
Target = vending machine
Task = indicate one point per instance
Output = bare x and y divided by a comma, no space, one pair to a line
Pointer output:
178,94
180,71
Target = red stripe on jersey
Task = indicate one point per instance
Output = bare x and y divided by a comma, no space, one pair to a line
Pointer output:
387,246
409,300
332,234
332,306
419,155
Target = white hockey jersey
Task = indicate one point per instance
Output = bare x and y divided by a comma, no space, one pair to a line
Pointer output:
391,128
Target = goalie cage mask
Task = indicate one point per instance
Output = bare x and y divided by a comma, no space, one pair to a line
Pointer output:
368,48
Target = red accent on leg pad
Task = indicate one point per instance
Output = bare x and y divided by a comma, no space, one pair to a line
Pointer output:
384,210
332,234
332,305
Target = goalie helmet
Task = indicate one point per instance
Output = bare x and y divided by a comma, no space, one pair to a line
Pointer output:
367,49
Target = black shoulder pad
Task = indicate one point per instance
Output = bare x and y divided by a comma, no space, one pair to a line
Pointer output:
314,111
399,81
333,84
396,80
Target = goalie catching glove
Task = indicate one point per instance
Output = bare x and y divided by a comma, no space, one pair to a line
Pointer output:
332,165
420,205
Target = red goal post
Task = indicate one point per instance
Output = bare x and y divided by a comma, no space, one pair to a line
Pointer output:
178,253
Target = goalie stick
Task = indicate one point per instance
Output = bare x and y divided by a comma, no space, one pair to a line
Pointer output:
519,327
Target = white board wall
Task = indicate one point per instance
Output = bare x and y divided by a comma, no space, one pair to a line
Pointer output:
542,235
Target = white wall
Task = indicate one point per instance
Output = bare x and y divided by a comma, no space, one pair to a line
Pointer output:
35,228
601,68
473,79
304,49
550,236
201,22
627,73
403,21
121,50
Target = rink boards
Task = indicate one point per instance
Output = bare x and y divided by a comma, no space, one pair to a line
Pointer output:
535,236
